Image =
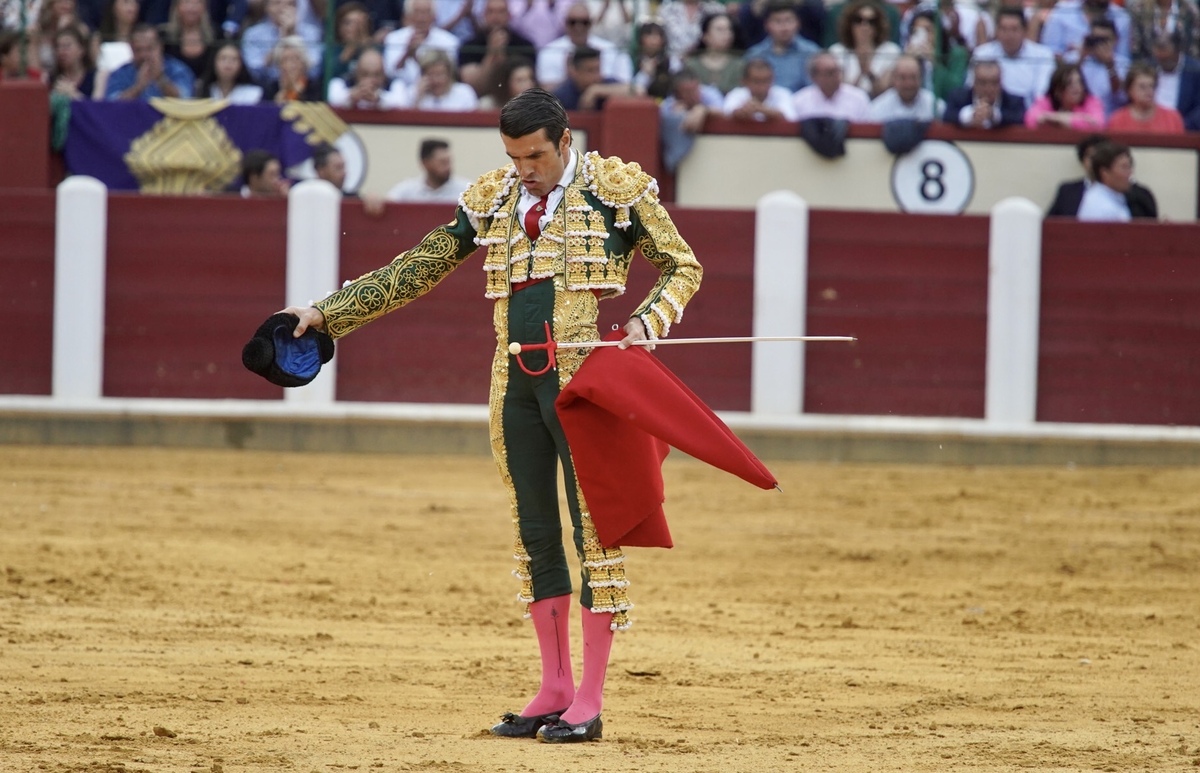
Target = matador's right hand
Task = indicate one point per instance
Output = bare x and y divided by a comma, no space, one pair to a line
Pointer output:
309,317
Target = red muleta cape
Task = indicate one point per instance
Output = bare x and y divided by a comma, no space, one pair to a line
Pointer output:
621,412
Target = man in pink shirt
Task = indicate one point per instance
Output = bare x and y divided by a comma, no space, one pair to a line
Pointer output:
828,96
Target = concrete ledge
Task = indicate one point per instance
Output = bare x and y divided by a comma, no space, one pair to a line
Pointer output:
464,431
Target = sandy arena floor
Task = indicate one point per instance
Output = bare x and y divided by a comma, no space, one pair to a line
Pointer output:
167,610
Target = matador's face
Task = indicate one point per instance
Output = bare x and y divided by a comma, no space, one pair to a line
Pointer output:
539,162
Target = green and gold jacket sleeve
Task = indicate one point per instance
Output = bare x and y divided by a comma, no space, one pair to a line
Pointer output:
679,271
412,274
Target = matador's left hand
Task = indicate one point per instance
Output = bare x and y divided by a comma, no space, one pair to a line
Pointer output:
634,331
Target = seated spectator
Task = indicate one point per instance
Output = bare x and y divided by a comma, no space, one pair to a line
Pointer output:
260,40
758,98
403,49
906,100
437,183
1070,22
828,96
112,40
553,58
839,9
1067,103
784,49
984,104
1025,66
13,66
961,19
353,25
330,166
1143,114
228,78
539,21
188,34
864,50
943,54
483,58
717,59
683,114
1178,80
652,65
262,175
1070,194
515,77
586,88
366,87
294,83
151,73
56,15
680,20
438,90
1102,68
1151,18
1112,177
73,74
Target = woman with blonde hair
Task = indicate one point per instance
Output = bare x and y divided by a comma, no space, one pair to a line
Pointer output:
293,84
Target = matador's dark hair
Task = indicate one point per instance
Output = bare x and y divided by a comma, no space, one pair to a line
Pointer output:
531,110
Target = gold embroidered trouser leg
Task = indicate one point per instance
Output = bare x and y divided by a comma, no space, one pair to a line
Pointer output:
528,445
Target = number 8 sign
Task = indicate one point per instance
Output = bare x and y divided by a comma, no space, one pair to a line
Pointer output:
935,178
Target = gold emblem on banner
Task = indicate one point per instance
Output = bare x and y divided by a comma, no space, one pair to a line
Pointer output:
315,120
187,152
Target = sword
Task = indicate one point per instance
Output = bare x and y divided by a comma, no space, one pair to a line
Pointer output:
550,346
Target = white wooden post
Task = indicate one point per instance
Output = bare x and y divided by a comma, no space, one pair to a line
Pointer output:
780,302
313,234
80,253
1014,304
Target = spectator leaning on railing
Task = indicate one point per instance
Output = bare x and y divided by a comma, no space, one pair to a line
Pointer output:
828,96
1025,66
1067,103
984,104
759,98
906,100
366,87
1143,114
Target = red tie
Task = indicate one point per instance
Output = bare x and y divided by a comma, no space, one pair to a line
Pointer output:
533,227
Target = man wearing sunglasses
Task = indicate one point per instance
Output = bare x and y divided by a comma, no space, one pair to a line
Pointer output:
552,59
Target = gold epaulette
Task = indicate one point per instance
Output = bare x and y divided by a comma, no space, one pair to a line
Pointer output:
618,184
484,196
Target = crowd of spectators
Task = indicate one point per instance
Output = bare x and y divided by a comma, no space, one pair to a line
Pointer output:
1083,64
1087,65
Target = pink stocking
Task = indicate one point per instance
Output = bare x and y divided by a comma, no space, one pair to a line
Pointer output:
597,644
551,621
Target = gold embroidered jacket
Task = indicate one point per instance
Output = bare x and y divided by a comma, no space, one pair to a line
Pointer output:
610,210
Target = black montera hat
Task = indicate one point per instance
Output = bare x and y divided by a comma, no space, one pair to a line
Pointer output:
826,136
902,135
278,356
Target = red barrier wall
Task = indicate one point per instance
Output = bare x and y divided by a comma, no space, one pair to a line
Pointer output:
24,135
189,280
1120,323
27,290
439,349
913,289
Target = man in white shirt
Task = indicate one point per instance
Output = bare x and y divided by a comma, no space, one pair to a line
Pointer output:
1025,66
828,97
906,99
615,64
1104,200
367,88
758,98
437,184
403,48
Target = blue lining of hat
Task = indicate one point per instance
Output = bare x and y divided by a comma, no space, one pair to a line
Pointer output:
296,356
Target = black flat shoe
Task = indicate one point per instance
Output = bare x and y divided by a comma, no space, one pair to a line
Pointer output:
516,726
564,732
